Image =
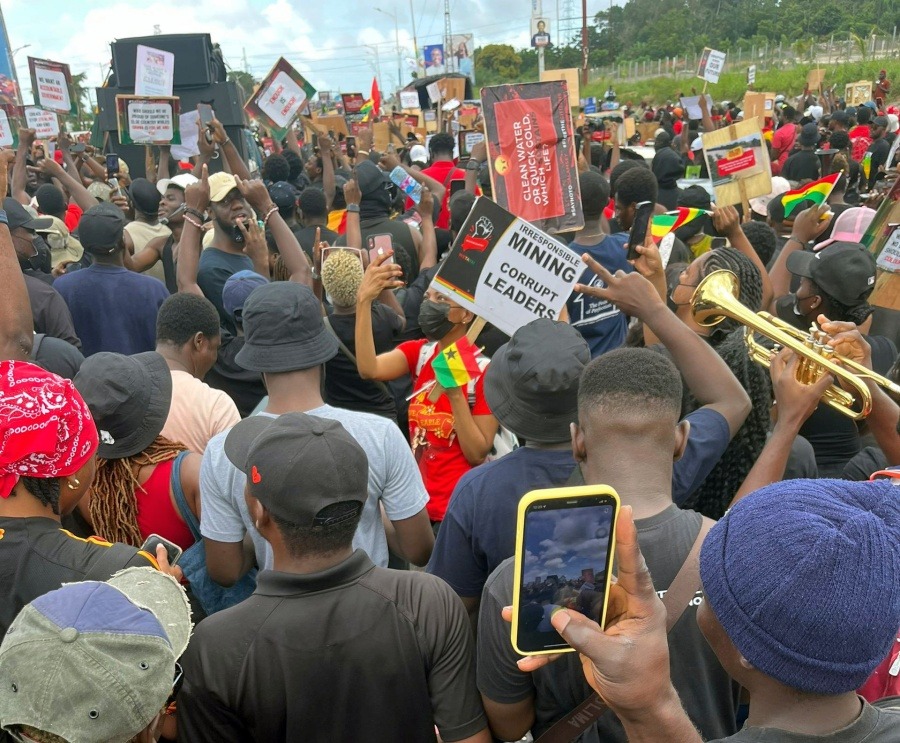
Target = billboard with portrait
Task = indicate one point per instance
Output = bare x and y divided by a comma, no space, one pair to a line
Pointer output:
540,32
462,48
435,62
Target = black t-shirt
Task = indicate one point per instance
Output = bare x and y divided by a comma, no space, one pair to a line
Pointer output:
802,166
37,556
344,388
306,236
707,693
245,387
56,356
879,150
216,266
50,312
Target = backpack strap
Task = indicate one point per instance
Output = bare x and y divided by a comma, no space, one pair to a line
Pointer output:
168,262
676,600
114,558
181,500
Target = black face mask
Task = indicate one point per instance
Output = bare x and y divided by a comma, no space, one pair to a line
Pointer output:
41,260
434,320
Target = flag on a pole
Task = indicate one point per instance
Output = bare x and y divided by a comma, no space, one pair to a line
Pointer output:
817,192
662,224
456,365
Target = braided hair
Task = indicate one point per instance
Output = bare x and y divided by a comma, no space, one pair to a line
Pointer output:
45,489
721,485
114,506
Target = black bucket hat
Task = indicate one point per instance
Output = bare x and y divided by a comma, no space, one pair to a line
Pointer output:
531,384
129,397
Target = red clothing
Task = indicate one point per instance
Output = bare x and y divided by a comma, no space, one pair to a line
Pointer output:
73,217
783,141
441,459
860,139
440,171
156,511
677,127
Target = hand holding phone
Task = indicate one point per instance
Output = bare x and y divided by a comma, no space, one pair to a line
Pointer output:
643,212
565,544
173,551
112,164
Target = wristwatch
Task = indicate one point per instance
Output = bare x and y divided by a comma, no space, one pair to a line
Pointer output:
353,208
473,165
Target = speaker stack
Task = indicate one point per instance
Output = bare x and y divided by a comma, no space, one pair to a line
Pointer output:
200,77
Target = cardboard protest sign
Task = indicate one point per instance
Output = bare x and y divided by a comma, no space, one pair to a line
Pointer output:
9,137
712,63
531,153
452,87
385,134
858,93
738,162
814,79
44,123
571,75
154,72
506,271
751,75
467,140
758,106
190,136
280,98
434,92
691,106
353,102
50,82
409,99
889,257
148,120
335,124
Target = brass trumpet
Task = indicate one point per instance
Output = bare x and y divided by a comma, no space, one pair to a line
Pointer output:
715,299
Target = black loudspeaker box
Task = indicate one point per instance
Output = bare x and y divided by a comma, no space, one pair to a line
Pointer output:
197,64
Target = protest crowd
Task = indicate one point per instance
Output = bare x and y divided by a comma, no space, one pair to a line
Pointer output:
262,446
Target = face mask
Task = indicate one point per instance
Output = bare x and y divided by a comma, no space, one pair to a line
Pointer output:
41,261
434,320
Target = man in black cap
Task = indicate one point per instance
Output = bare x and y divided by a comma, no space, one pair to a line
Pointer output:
284,196
877,152
531,386
113,308
146,227
804,166
49,311
286,341
330,647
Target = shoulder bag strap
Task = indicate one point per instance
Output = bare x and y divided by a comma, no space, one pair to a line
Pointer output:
168,262
349,354
676,600
114,558
181,500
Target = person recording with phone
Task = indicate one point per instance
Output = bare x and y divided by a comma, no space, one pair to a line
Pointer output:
628,436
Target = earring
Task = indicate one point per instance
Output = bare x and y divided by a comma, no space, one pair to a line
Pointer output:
75,486
256,524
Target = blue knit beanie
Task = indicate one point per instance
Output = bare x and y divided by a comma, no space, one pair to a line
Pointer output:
804,576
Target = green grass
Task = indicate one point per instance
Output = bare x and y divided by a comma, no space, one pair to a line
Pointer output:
733,85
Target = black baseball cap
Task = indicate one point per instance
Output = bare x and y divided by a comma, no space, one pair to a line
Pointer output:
129,397
101,228
841,116
144,196
371,178
843,270
283,195
283,330
880,121
297,464
18,216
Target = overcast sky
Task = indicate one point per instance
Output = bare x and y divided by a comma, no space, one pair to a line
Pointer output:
325,40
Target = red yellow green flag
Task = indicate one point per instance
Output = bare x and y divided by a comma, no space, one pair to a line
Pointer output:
817,192
456,365
662,224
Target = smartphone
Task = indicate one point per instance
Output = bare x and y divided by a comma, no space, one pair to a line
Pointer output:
112,164
351,146
77,148
206,113
456,186
565,544
173,551
379,245
643,213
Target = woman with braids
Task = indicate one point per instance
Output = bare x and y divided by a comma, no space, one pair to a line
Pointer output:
48,443
727,338
144,482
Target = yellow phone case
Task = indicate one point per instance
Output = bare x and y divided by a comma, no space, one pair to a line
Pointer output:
548,495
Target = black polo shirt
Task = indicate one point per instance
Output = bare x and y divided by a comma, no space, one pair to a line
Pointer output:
37,556
353,653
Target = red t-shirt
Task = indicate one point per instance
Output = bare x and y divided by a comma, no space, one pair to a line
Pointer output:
440,171
73,217
441,459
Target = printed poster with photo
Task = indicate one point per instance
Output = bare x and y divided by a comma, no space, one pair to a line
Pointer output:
148,120
51,83
353,102
532,155
280,98
154,72
738,162
505,270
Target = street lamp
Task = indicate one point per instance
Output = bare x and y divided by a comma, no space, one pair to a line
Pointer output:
396,41
377,65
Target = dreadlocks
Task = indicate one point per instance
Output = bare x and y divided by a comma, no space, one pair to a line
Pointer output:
45,489
714,495
113,499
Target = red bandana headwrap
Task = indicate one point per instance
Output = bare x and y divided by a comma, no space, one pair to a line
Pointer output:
46,429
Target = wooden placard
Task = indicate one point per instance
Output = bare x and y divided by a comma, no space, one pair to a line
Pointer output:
383,135
647,130
572,76
814,79
737,175
858,93
336,124
452,87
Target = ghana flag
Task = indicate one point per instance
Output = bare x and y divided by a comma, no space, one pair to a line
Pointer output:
817,192
456,365
662,224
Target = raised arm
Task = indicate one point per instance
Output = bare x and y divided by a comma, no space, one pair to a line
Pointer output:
292,254
707,376
808,225
162,168
428,245
196,196
379,276
727,221
232,156
326,152
389,161
19,175
477,155
73,185
16,323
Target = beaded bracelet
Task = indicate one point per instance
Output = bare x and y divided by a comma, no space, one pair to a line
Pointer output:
193,222
269,213
195,212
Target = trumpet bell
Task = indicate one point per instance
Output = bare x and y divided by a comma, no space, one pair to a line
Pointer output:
713,294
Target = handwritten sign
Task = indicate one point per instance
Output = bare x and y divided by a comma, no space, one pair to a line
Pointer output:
7,137
505,270
691,106
50,82
712,63
155,72
409,99
280,98
148,120
889,257
44,123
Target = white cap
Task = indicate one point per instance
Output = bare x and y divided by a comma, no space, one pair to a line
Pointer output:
418,154
815,112
697,145
761,203
182,181
893,122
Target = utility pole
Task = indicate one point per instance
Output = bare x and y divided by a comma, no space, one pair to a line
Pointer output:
396,42
412,15
584,43
246,66
539,13
448,34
